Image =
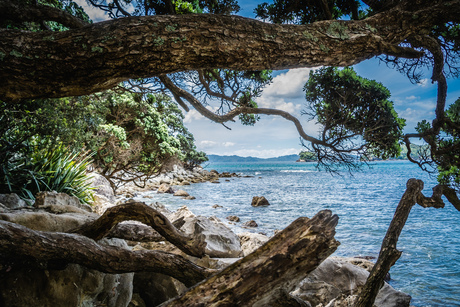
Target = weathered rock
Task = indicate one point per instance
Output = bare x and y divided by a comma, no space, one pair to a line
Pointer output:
60,202
165,188
101,203
102,187
181,193
215,181
258,201
185,182
335,283
225,175
251,241
250,223
221,241
233,218
73,286
155,288
190,197
217,206
12,201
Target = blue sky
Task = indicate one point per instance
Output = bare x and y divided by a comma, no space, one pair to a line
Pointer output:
272,136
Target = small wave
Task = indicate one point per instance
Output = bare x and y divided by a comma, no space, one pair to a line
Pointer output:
257,173
296,171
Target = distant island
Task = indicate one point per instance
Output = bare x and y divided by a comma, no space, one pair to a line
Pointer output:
303,156
234,158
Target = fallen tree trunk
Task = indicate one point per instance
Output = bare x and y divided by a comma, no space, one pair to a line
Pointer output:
20,245
274,268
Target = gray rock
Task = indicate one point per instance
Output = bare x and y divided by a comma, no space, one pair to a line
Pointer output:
233,218
336,282
12,201
46,221
250,223
73,286
59,202
251,241
221,241
155,288
165,188
102,187
181,193
258,201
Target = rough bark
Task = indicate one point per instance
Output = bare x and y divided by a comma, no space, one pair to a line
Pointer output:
388,252
38,13
99,56
271,270
22,246
141,212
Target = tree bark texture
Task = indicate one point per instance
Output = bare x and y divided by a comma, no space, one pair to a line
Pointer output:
141,212
23,246
99,56
273,269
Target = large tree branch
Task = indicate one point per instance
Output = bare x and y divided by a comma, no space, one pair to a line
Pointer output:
38,13
99,56
21,244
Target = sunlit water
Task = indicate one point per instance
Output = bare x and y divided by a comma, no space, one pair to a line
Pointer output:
429,269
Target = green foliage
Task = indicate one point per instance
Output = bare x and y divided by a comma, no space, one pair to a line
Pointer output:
308,156
349,106
66,5
130,136
305,11
446,154
47,170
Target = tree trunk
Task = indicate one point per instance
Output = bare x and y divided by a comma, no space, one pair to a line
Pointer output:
99,56
271,271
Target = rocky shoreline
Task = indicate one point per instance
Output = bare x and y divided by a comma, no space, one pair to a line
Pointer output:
336,282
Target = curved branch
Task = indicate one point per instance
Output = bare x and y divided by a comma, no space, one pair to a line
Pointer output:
46,248
141,212
229,116
38,13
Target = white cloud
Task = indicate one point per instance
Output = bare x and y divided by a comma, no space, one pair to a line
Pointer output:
192,115
424,82
207,144
412,97
289,84
228,144
279,104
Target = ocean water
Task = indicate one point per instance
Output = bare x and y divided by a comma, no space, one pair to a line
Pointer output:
365,201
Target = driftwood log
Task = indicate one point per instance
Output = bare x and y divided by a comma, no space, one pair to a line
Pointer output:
272,271
138,211
388,252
